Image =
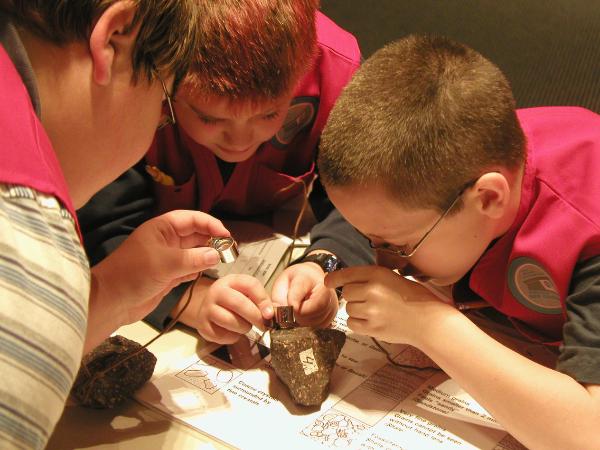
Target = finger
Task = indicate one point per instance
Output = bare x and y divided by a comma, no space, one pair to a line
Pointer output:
255,291
318,302
242,312
328,320
357,310
339,278
219,335
185,262
231,319
300,289
184,279
279,292
321,320
358,326
356,292
187,223
194,240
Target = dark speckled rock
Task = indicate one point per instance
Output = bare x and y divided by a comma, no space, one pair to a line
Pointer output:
303,359
119,383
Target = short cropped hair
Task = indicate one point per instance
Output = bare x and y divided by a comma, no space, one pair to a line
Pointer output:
167,36
422,118
252,50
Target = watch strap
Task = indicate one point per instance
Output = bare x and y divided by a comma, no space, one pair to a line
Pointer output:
326,261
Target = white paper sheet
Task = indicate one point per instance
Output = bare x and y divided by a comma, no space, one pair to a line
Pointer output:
233,395
260,250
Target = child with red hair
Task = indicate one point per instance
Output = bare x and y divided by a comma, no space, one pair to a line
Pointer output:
249,117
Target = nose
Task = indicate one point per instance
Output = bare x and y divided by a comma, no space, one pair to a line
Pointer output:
390,260
238,136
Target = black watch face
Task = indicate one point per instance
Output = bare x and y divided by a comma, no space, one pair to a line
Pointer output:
331,263
327,262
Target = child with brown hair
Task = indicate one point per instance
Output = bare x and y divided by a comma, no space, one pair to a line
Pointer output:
82,84
249,117
425,154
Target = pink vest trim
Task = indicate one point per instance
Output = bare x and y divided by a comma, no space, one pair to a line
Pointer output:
26,154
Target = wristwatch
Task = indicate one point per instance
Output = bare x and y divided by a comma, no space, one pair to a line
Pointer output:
326,261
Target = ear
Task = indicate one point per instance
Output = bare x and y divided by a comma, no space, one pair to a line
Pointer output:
491,194
111,39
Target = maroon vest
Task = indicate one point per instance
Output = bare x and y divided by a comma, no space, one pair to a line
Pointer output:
276,172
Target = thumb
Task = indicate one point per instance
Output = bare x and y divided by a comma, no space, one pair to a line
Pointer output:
255,291
184,262
279,292
265,306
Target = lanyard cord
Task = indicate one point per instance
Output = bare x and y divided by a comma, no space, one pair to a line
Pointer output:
98,375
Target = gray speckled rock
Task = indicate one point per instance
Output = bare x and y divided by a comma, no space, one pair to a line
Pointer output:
117,384
303,359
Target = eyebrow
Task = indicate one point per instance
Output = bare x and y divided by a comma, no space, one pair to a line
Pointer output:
268,111
202,113
370,237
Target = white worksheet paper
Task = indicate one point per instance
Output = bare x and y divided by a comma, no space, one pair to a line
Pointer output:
372,405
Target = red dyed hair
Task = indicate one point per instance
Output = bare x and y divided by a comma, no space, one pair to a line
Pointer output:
252,49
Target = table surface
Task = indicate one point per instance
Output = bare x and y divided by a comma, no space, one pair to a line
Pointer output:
133,425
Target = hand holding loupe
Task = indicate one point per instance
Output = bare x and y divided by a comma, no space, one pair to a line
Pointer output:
226,247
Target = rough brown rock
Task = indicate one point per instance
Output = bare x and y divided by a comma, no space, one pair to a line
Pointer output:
105,390
303,359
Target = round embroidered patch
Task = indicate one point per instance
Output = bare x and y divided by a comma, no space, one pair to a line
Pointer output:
533,287
299,116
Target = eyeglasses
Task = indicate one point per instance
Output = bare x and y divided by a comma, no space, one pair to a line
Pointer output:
403,252
170,118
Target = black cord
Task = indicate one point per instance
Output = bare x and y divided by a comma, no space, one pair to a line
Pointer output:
403,366
98,375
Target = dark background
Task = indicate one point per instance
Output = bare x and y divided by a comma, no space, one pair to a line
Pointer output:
548,49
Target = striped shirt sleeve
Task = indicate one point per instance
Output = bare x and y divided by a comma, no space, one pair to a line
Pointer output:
44,289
